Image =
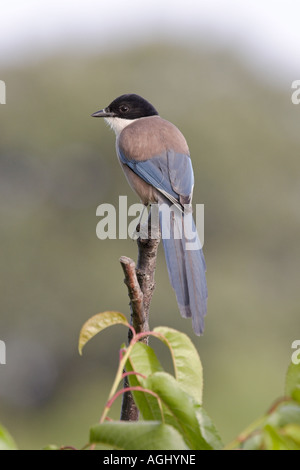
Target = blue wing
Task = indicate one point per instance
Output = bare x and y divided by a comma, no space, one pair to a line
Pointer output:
170,173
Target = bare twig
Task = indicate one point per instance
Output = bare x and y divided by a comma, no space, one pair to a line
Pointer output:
145,270
135,294
141,285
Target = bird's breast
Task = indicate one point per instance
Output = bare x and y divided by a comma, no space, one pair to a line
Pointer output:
151,136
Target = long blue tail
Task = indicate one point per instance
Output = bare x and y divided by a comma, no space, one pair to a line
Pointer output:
186,267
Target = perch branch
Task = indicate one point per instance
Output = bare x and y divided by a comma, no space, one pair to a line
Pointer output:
140,283
138,320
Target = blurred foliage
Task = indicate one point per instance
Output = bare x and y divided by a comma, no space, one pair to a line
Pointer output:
279,428
6,441
171,413
170,405
57,165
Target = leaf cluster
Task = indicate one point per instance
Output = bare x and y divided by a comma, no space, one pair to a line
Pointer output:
170,405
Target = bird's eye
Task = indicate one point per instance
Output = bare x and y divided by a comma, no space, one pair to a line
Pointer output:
124,108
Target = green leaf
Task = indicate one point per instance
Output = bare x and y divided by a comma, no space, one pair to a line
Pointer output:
186,361
275,441
180,410
6,441
208,429
287,413
150,435
142,359
98,323
292,382
293,431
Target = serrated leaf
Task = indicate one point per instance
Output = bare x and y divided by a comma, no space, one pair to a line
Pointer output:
180,409
6,440
150,435
186,361
143,360
208,429
292,382
97,323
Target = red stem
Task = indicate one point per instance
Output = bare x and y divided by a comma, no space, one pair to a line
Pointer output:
129,389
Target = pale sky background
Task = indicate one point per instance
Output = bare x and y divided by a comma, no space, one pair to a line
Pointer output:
264,32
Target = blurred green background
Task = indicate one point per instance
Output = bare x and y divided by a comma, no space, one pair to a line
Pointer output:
57,164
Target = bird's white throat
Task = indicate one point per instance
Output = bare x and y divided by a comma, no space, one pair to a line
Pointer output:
118,124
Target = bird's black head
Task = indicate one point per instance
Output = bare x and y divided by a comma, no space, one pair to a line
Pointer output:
128,106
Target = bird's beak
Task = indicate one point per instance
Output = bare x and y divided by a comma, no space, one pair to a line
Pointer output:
102,113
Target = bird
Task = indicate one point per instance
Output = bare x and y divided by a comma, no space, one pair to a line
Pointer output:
155,158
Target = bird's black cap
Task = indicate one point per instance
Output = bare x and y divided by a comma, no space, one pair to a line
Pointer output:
129,106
